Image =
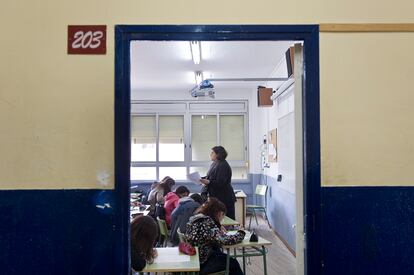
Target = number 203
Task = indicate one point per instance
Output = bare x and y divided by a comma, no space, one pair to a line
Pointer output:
87,40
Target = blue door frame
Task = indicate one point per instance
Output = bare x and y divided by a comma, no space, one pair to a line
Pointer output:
309,34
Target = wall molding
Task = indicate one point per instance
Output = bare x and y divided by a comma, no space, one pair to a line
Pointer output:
291,250
366,27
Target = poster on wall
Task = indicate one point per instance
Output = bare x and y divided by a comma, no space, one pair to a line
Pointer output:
272,146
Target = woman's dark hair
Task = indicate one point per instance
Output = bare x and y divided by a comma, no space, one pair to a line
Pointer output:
211,208
220,152
181,190
166,184
168,180
197,198
144,232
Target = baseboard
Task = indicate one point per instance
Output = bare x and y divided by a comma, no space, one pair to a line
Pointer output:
291,250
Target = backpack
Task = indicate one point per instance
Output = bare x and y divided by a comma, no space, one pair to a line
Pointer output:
159,211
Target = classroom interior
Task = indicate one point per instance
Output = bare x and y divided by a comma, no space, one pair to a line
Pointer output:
60,118
250,110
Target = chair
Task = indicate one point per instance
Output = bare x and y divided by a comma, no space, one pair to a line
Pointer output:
260,191
163,231
181,236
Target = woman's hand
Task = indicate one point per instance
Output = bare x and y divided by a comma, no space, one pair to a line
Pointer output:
204,181
223,229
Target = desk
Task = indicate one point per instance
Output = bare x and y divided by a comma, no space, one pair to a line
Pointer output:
139,212
259,250
240,207
192,266
135,211
135,208
229,222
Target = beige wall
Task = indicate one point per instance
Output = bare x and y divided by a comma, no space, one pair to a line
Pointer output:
56,111
367,114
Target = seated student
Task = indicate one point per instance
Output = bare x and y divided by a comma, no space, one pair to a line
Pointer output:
147,193
204,231
158,192
171,201
197,198
144,232
181,215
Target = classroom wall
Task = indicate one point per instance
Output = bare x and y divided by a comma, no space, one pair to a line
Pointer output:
366,114
65,150
280,198
56,113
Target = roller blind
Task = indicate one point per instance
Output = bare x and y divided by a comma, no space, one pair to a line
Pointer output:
171,129
171,138
143,130
204,136
232,136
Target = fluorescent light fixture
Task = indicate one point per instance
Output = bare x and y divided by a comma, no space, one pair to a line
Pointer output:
195,51
198,77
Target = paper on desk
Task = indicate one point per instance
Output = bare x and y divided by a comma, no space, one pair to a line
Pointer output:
169,255
194,177
136,211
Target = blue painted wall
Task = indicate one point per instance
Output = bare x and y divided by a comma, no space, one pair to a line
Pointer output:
368,230
281,207
57,232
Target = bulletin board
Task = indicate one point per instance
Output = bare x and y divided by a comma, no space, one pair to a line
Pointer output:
272,146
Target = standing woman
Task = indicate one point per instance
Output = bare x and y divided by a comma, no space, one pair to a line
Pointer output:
217,183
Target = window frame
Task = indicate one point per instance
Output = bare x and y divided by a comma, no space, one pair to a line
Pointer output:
187,116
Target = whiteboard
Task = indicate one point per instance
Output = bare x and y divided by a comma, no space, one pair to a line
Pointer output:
286,151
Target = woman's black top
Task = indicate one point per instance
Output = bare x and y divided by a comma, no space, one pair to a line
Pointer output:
220,187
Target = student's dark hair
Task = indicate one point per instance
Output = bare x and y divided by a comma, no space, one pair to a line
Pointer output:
197,198
166,184
220,152
181,190
211,208
144,232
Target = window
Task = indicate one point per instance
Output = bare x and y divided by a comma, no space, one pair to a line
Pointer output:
177,173
143,173
171,138
174,139
204,136
143,138
232,136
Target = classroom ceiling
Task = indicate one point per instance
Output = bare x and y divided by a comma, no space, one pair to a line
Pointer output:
167,65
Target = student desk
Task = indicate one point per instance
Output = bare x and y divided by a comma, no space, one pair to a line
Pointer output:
135,211
229,222
258,249
167,262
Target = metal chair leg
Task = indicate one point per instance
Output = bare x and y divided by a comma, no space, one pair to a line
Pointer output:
255,217
267,218
250,221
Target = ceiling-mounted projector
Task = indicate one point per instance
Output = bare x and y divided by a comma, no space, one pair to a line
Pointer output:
206,88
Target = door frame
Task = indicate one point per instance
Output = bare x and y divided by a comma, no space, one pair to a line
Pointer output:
309,34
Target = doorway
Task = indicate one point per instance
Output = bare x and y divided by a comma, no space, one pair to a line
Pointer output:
310,117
